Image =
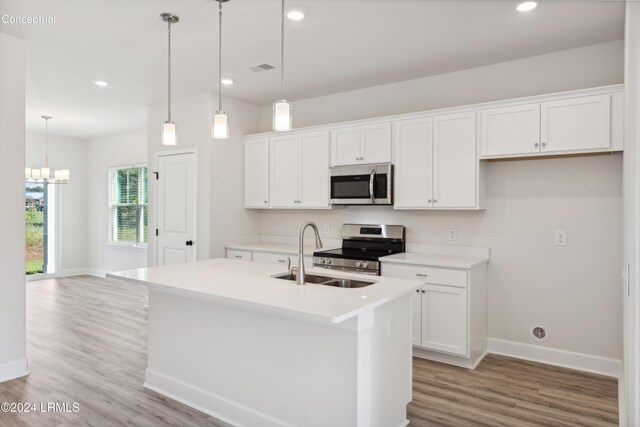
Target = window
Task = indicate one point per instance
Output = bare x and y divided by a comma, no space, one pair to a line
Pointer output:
128,205
40,227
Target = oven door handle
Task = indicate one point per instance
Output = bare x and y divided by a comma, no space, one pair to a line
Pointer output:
372,178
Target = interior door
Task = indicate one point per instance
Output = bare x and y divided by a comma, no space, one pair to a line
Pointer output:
454,161
176,208
285,171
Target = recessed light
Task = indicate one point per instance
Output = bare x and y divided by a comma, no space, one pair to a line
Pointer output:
227,82
101,83
295,15
526,6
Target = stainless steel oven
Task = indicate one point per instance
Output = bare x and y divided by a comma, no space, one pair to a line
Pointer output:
362,185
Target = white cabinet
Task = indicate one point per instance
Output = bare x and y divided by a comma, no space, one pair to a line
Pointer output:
455,179
572,125
449,311
576,124
299,170
239,254
435,163
256,173
444,319
281,259
361,144
510,130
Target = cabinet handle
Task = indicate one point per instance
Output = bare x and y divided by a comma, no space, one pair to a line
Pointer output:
429,201
424,292
422,275
282,260
536,145
237,256
265,202
418,290
435,201
544,144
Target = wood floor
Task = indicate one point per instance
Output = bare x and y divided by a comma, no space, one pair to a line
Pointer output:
87,344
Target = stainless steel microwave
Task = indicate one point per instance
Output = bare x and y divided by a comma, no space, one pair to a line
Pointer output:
362,185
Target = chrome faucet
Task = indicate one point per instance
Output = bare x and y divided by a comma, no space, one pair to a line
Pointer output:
300,276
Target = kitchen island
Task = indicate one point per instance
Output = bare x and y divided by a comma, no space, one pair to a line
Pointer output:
230,340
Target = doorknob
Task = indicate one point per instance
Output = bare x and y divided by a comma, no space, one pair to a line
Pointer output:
189,243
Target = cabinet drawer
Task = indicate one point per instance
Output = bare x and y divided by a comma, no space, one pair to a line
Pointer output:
237,254
274,258
438,276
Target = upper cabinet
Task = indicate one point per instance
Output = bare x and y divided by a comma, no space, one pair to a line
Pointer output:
576,124
510,130
436,164
562,125
299,170
361,144
256,173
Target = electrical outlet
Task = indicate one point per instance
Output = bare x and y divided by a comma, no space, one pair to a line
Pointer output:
327,229
276,227
561,238
453,234
392,328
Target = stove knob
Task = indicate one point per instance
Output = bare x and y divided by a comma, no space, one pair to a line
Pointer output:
328,260
358,264
322,261
365,264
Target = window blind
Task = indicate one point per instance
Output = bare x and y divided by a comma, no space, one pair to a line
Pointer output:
128,204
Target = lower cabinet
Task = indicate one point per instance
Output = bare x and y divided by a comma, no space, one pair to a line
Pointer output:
269,257
449,312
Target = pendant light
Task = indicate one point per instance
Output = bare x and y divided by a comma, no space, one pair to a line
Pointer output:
220,120
282,120
169,134
43,174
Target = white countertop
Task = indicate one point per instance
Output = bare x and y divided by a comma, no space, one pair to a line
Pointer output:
275,247
433,260
249,285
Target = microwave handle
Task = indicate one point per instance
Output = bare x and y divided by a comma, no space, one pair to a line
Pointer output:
372,178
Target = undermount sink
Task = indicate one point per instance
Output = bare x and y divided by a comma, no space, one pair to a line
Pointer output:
326,280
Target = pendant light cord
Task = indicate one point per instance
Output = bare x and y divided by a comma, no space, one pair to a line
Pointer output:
220,56
169,69
282,51
46,142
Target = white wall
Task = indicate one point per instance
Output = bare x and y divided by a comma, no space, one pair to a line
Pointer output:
13,358
66,153
590,66
220,210
103,153
575,290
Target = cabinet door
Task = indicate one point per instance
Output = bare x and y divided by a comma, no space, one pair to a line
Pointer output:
376,143
510,130
256,173
416,318
413,163
576,124
444,319
345,146
454,161
285,171
314,170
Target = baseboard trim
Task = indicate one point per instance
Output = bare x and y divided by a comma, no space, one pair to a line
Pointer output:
83,271
210,403
463,362
12,370
553,356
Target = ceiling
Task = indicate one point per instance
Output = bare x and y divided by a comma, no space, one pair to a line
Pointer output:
340,45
